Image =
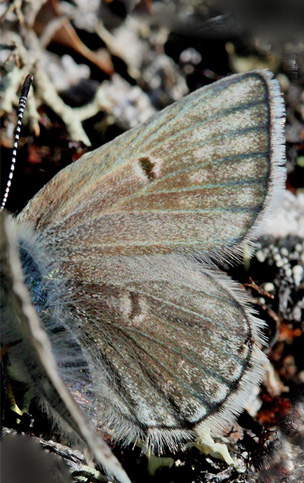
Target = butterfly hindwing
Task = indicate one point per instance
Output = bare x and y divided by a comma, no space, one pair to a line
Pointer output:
169,341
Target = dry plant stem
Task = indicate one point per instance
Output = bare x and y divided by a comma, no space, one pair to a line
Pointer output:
258,289
48,95
14,80
16,7
108,39
30,9
108,99
30,54
73,458
10,97
131,53
30,51
50,30
100,102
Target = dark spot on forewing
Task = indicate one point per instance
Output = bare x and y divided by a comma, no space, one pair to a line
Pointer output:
147,165
135,306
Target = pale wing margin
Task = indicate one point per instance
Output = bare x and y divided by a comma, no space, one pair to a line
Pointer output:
172,345
200,176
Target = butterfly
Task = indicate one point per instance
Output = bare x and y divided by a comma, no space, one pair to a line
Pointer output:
120,253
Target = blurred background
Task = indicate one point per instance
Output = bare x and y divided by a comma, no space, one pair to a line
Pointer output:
103,66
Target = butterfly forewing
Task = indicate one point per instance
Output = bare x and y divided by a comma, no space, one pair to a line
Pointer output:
196,177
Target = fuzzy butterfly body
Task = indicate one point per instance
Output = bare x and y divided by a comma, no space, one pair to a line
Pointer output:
170,343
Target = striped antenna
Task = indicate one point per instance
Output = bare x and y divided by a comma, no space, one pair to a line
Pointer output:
22,102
